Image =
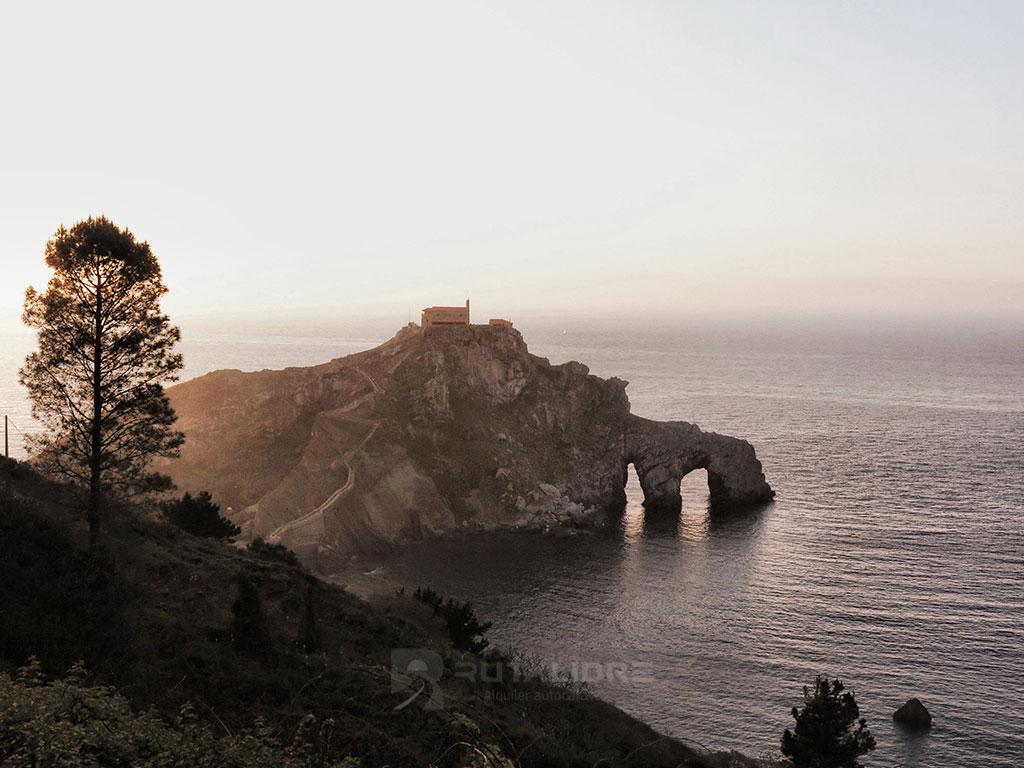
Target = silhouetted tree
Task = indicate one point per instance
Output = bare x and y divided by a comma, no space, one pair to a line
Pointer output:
199,516
824,735
461,620
464,628
278,552
249,626
429,597
309,633
105,350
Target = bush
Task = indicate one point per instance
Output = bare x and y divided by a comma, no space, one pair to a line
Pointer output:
463,625
822,736
199,516
430,598
278,552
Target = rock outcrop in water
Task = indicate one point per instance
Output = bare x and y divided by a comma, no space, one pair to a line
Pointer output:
913,714
436,430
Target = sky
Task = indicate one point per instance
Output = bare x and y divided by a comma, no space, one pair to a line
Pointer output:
300,160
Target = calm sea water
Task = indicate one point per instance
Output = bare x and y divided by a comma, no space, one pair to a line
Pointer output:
893,556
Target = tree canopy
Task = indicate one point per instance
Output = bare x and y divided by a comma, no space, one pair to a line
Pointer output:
464,627
105,351
824,735
199,515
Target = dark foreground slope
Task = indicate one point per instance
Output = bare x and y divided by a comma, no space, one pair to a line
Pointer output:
437,429
152,615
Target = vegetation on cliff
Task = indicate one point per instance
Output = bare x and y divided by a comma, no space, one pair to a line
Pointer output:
464,628
199,516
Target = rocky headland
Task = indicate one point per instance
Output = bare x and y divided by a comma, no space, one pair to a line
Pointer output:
437,430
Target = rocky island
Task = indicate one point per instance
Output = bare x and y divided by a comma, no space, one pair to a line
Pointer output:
439,429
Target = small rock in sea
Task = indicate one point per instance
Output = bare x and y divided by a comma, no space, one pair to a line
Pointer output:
914,714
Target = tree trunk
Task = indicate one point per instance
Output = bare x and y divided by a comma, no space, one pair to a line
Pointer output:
94,508
96,448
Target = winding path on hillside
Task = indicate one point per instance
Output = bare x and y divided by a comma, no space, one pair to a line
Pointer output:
369,378
275,535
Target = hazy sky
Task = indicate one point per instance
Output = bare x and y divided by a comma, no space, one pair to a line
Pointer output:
540,157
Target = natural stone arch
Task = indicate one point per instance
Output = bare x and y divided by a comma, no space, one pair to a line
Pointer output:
665,452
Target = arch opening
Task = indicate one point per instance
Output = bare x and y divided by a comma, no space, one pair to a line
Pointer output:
633,504
695,491
663,483
632,488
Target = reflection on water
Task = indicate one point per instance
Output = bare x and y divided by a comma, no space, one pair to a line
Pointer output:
646,590
873,564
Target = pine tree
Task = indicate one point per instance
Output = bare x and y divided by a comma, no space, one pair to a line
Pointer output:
461,620
464,627
824,736
105,350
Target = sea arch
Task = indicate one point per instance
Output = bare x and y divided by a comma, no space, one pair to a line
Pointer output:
663,453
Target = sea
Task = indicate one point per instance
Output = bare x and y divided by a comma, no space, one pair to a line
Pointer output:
892,557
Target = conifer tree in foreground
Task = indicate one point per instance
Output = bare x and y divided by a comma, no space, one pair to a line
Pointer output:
824,735
105,351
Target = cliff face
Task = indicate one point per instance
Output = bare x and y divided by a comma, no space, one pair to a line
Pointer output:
435,430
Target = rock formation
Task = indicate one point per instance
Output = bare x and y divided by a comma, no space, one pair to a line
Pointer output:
437,429
913,714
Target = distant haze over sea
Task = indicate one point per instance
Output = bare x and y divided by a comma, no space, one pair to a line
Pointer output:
253,341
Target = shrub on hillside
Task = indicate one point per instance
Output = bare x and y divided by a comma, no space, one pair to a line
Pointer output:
464,628
429,598
278,552
199,516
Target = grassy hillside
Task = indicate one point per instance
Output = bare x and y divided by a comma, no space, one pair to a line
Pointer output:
151,615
